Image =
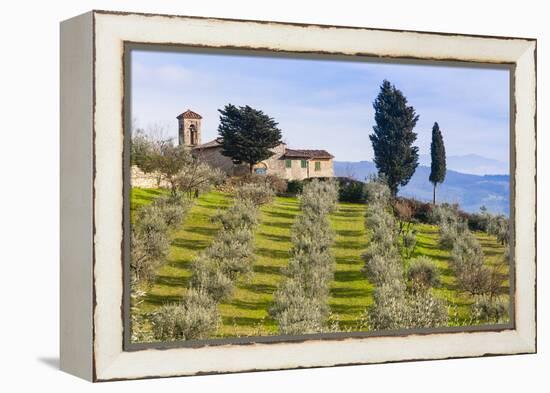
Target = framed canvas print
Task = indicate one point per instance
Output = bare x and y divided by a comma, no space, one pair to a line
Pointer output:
247,195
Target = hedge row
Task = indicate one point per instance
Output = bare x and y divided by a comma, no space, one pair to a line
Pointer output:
467,261
150,237
301,300
215,271
150,244
395,305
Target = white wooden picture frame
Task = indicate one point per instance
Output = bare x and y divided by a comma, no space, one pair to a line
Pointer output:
92,181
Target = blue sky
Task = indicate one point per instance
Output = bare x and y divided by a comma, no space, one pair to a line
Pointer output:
324,104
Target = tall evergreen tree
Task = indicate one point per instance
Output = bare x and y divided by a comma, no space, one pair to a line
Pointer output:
392,141
247,135
439,164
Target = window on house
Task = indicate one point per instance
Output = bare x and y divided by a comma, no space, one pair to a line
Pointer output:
288,163
317,165
304,163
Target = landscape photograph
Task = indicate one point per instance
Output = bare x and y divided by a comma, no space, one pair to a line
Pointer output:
275,196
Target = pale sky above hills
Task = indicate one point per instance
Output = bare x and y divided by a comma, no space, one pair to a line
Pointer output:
323,104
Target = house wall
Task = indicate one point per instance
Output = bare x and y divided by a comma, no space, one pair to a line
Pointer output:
213,156
276,164
326,170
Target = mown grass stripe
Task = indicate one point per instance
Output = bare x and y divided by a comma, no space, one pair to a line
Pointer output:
247,312
350,292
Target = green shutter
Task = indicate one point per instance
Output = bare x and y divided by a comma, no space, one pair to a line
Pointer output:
304,163
317,165
288,163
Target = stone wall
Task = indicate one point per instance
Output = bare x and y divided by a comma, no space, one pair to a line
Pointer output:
145,180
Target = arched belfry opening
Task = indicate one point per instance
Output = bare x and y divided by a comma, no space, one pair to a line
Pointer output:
193,134
189,128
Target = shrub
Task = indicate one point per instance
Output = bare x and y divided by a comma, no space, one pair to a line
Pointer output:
351,190
295,187
466,252
490,310
278,185
499,226
423,273
172,209
382,266
149,243
477,222
426,311
320,197
390,309
313,269
403,210
444,213
421,210
310,231
144,260
394,308
377,192
381,225
243,214
408,242
193,318
232,251
208,276
295,311
258,194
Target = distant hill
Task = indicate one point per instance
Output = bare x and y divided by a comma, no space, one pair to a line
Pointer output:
469,191
471,164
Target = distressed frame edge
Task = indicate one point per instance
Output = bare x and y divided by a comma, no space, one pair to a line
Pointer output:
76,196
528,340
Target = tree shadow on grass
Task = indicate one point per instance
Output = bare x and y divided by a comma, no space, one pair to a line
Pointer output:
280,214
283,225
270,253
348,276
250,305
349,245
347,308
159,300
241,321
190,244
275,238
266,289
206,231
172,281
348,212
267,269
345,293
349,232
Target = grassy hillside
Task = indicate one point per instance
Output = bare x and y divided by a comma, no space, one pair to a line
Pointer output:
246,313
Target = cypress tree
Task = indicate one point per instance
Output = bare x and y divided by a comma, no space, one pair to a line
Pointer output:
247,135
395,156
439,165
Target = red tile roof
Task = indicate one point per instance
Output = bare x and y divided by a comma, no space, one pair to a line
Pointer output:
289,153
189,114
207,145
310,154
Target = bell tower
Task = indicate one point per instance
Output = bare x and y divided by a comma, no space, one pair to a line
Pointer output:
189,128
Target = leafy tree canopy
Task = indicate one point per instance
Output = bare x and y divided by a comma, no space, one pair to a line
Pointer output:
437,148
247,135
395,156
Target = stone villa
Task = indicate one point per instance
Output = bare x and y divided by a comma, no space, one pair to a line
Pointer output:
290,164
